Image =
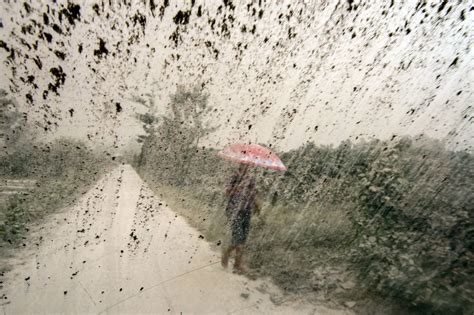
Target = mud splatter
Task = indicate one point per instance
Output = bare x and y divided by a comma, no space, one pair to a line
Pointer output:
102,51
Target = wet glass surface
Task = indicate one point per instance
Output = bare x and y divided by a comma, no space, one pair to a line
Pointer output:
225,157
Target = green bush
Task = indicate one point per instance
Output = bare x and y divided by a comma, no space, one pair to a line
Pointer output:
415,227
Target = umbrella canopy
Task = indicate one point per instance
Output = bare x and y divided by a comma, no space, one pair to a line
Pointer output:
252,154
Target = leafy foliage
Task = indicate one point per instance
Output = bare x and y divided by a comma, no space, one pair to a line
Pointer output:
409,200
415,222
12,124
173,139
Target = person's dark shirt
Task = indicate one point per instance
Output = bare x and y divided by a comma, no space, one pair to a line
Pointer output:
241,194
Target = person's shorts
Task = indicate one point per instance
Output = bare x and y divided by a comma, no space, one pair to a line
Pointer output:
240,227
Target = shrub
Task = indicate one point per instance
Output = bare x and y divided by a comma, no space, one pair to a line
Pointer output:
415,227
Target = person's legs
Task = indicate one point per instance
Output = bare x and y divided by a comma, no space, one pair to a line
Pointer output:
239,252
240,226
235,228
244,227
226,255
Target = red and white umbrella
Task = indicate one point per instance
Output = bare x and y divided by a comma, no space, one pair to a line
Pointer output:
252,154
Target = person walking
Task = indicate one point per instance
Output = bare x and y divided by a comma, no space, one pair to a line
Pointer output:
243,202
243,199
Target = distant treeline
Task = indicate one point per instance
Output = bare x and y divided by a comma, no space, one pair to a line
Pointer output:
46,159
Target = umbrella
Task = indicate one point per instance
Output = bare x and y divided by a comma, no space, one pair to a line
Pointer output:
252,154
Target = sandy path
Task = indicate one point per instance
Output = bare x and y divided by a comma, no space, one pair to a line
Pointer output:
121,250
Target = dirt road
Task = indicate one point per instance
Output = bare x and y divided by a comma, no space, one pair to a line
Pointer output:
121,250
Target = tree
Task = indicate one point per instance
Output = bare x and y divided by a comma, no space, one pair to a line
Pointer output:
171,140
11,122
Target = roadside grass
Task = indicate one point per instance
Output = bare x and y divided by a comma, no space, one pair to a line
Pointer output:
286,242
63,172
304,249
396,214
49,195
199,214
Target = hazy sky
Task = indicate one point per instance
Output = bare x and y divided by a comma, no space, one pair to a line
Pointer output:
281,72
